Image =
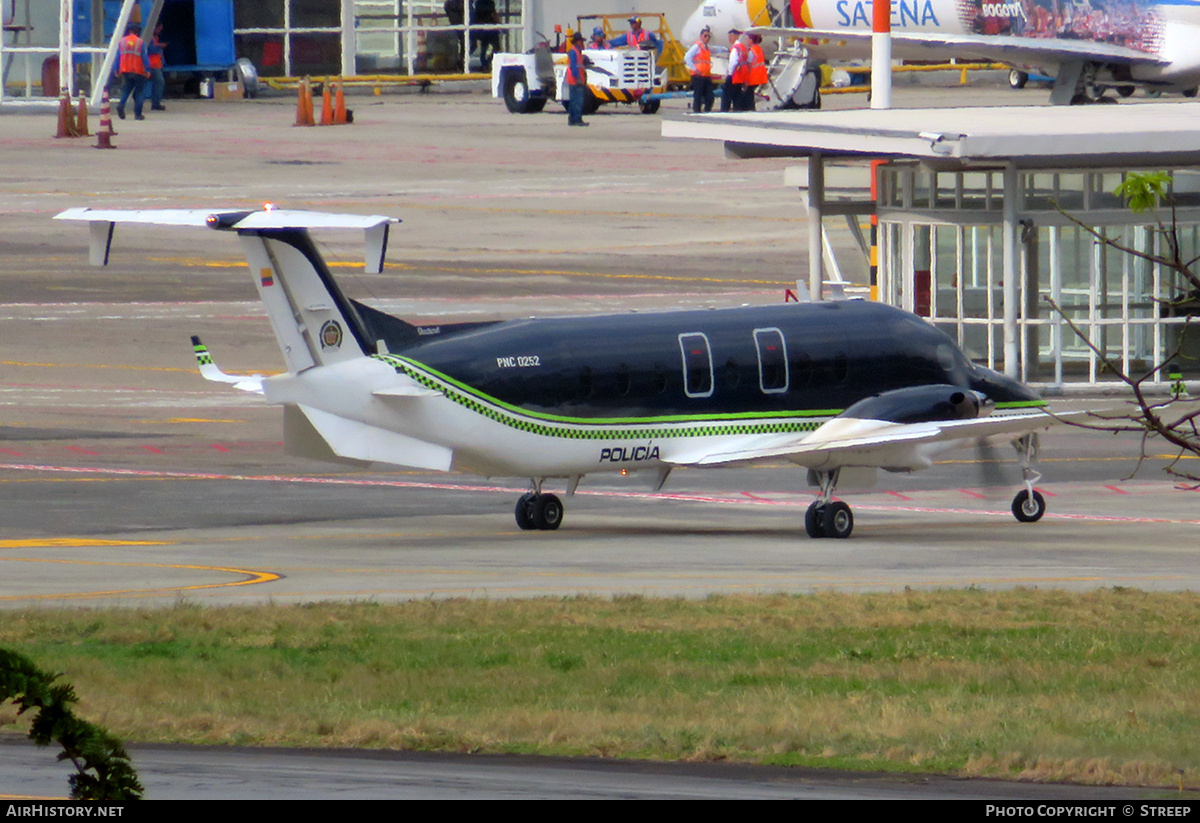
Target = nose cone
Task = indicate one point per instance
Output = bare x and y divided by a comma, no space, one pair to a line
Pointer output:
1001,390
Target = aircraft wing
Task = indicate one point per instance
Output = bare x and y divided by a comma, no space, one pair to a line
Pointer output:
877,443
847,44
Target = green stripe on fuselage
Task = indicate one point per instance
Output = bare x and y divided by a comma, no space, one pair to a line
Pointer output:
606,428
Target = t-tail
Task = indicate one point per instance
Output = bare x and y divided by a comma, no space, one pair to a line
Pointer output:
314,323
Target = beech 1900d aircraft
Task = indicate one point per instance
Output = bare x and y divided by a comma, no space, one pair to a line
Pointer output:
832,386
1089,46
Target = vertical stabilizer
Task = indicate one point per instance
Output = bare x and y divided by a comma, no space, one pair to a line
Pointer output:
313,321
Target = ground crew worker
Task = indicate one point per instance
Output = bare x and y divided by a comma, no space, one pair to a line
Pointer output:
637,37
598,41
154,49
576,80
134,72
699,64
757,73
735,74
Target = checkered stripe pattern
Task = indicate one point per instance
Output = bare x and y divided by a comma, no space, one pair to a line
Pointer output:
585,429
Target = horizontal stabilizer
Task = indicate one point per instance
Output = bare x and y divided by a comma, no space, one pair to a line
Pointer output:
374,226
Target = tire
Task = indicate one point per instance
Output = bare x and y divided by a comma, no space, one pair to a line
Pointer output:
814,520
524,512
1028,509
590,102
1017,79
547,512
1126,91
838,521
517,96
649,106
1191,92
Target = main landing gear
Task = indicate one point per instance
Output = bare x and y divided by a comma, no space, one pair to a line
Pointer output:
827,517
536,510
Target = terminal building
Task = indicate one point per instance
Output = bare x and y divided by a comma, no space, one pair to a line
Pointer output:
290,38
990,218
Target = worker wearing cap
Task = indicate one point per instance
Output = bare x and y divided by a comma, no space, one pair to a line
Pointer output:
576,80
598,41
698,60
637,37
735,75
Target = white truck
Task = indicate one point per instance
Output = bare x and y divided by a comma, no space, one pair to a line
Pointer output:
527,81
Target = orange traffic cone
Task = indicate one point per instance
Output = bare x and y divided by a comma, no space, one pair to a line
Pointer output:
81,118
66,126
104,135
339,106
326,106
304,105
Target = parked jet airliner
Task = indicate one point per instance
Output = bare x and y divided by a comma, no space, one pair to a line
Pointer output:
1089,46
833,387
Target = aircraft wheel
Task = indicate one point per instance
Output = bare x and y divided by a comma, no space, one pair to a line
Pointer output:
814,520
1028,509
838,521
1017,79
524,512
547,512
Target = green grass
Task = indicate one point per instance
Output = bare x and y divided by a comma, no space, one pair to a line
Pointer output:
1098,687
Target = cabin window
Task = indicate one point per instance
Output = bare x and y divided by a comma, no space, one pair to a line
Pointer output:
697,365
624,380
772,361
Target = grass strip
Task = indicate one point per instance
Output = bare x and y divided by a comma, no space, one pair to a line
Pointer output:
1100,687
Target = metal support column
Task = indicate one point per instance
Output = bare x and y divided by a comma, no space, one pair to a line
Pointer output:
1009,252
349,39
816,200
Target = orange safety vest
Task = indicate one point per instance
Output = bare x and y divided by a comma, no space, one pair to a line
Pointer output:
131,55
758,73
741,74
634,39
156,57
576,77
703,60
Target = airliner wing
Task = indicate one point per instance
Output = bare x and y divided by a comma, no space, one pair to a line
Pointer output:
876,443
847,44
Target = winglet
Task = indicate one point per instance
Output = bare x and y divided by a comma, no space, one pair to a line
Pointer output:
210,371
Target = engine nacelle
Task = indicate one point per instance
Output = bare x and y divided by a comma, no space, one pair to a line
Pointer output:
922,404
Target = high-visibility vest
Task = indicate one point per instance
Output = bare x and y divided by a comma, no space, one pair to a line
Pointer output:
155,51
758,73
131,55
702,60
634,39
576,71
741,74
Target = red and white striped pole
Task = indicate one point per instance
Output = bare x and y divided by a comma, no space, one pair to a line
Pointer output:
105,132
881,54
